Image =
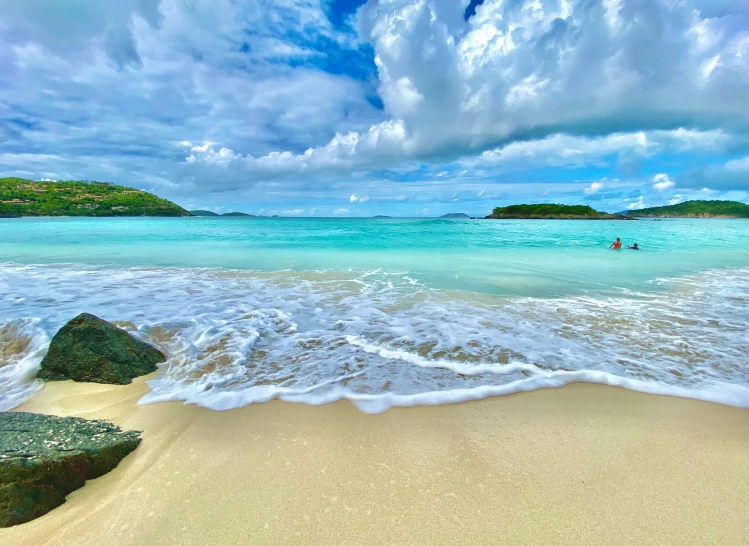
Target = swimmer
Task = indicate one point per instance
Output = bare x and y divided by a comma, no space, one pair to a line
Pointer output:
633,247
616,245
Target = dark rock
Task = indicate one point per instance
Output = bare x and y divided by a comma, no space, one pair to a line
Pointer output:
91,349
43,458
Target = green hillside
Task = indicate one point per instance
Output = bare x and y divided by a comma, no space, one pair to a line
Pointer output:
550,211
696,209
455,215
21,197
202,213
238,214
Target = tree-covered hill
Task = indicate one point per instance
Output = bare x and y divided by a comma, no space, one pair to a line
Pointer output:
21,197
696,209
551,211
232,214
455,216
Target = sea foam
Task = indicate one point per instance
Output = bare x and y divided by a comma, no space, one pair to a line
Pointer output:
382,339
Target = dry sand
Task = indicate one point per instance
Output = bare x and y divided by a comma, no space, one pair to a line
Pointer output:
583,464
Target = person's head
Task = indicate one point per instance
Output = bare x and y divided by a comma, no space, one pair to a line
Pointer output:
635,245
617,239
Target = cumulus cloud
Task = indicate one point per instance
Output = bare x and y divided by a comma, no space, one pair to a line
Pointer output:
594,188
630,148
637,204
271,99
340,211
209,71
526,71
662,182
731,175
76,27
675,200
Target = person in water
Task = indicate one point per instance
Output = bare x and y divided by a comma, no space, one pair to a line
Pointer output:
634,247
616,245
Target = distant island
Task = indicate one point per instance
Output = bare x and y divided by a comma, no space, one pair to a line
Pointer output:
381,216
545,211
210,213
455,215
695,209
22,197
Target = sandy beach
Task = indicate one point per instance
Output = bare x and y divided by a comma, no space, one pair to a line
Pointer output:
583,464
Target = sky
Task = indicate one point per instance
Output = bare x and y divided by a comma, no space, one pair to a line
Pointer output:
396,107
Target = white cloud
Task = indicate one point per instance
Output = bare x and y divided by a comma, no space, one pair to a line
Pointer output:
675,200
514,75
201,96
72,26
661,182
731,175
340,211
577,151
203,71
271,48
594,188
358,198
637,204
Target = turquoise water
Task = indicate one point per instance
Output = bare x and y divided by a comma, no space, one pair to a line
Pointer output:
503,257
387,312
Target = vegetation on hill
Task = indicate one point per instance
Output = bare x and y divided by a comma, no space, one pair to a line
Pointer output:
209,213
551,211
696,209
454,215
21,197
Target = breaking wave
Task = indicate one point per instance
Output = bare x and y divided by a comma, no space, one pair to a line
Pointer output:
382,339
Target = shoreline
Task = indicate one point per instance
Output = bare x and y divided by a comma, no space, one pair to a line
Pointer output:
581,464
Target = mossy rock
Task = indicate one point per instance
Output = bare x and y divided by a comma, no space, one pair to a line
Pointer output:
43,458
90,349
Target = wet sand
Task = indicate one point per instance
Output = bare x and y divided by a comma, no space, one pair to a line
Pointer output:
584,464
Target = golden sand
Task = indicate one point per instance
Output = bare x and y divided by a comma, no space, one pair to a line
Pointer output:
583,464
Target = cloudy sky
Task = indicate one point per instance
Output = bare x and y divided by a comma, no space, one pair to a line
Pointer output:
401,107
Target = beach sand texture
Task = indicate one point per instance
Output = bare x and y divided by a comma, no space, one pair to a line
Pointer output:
583,464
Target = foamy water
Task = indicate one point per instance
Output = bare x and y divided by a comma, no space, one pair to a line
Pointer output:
382,339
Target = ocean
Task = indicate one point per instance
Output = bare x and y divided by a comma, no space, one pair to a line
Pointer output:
387,312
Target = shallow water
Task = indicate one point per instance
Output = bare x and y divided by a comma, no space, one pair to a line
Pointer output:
387,312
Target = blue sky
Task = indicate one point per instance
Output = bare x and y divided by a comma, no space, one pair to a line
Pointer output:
400,107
